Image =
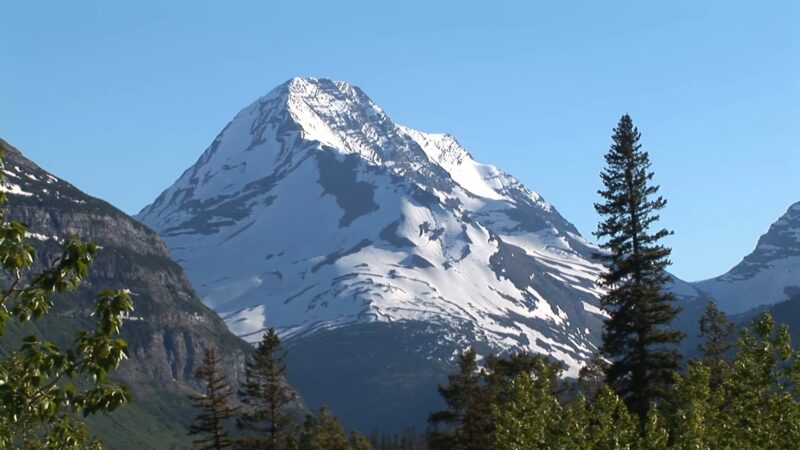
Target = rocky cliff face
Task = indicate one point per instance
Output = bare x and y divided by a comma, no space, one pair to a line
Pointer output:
170,327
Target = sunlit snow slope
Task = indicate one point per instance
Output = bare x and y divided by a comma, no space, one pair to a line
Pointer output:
312,210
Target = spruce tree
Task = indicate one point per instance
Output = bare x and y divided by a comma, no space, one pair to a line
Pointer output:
360,442
527,414
500,370
636,338
266,396
610,425
323,432
656,434
215,404
761,392
413,440
574,424
717,333
695,409
592,376
466,424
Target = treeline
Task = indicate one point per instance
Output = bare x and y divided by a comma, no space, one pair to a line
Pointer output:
268,416
738,393
749,400
408,440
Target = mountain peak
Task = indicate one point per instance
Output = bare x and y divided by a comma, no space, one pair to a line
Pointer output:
339,115
304,116
305,85
768,274
321,92
312,210
781,241
313,213
321,95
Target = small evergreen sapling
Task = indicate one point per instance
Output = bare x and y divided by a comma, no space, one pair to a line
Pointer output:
323,432
266,396
215,403
717,334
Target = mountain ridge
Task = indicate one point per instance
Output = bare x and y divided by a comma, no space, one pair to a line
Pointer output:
169,327
768,275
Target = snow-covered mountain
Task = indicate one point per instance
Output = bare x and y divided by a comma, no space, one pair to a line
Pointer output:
312,212
768,275
312,209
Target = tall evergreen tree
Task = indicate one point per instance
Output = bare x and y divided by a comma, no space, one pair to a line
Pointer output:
636,338
266,396
717,334
215,404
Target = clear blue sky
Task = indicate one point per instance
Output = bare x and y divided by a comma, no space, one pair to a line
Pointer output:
120,97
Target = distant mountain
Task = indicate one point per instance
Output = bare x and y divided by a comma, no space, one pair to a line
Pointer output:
768,279
376,250
786,312
169,328
768,275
